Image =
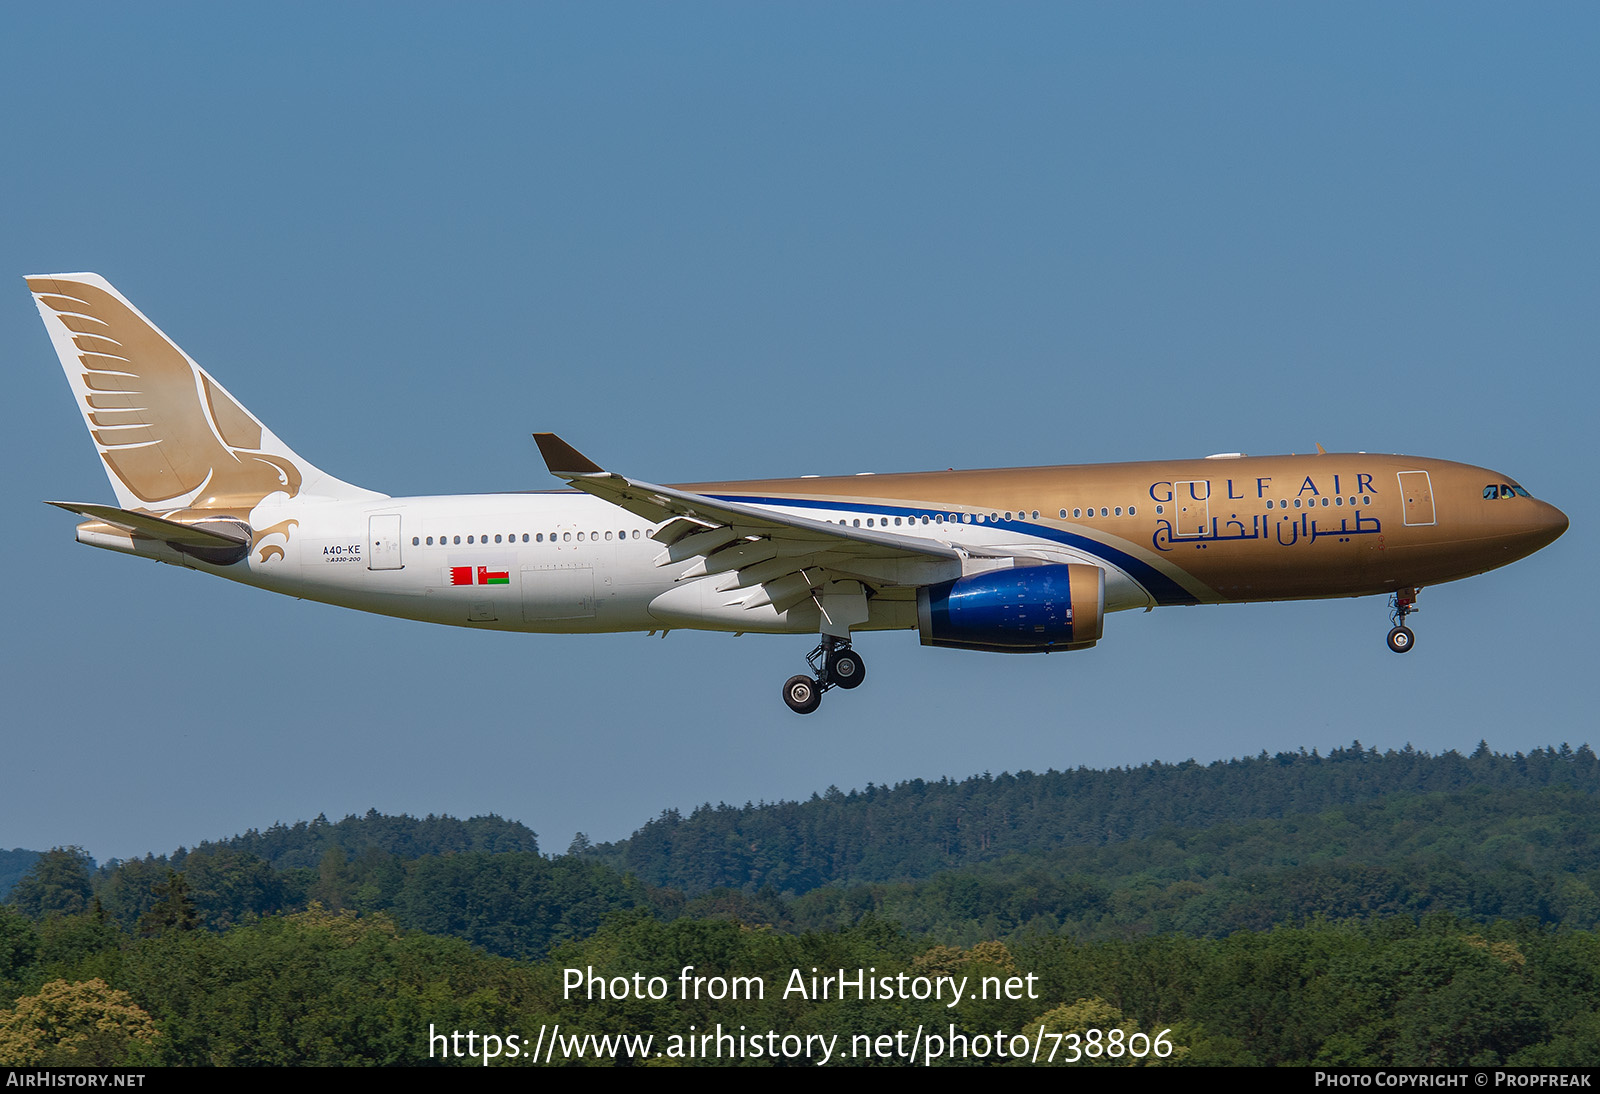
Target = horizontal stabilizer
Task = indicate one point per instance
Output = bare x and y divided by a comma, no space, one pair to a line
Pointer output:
223,534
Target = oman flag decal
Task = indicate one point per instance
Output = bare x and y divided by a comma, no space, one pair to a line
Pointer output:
463,575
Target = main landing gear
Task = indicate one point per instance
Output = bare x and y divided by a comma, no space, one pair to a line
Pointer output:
836,666
1402,604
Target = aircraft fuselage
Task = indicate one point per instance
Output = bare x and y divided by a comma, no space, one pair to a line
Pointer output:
1199,531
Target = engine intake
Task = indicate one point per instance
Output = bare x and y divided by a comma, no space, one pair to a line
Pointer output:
1030,609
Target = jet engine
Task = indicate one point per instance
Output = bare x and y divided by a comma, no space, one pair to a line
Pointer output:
1028,609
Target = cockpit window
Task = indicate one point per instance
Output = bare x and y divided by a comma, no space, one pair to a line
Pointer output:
1521,493
1491,491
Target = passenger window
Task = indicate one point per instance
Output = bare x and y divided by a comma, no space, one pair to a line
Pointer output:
1103,512
430,541
538,538
524,537
458,539
566,537
469,539
497,539
1324,503
1269,503
1119,510
1132,511
608,537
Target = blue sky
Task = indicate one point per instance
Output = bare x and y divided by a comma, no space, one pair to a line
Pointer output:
729,241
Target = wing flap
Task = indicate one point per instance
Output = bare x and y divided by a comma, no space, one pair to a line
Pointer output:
759,558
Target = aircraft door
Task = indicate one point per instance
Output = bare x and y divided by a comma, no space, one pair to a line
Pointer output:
383,542
1416,489
1191,504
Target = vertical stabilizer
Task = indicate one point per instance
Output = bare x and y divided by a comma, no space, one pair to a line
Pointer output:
171,437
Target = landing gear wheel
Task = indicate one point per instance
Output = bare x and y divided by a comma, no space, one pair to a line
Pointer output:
847,670
1401,640
803,694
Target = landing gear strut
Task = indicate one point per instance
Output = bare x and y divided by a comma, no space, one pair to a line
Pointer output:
835,664
1402,604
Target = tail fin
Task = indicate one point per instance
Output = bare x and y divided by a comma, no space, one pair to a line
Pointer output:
171,436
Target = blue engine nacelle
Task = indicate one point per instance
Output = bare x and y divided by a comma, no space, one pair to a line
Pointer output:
1029,609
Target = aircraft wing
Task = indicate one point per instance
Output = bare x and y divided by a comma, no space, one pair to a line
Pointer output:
782,558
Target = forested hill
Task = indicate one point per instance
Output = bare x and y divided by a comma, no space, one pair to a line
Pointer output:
918,828
303,844
1204,849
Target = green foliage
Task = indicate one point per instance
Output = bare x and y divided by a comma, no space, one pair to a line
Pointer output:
19,942
512,904
85,1024
57,884
918,828
305,843
76,947
315,988
13,865
1359,908
173,909
1477,853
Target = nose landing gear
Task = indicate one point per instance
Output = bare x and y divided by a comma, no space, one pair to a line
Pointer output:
1402,604
835,664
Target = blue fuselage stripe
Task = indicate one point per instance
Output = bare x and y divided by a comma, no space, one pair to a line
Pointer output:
1165,590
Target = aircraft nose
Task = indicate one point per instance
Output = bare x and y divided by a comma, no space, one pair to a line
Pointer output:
1546,525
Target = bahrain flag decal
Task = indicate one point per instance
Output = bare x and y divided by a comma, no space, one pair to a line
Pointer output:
465,575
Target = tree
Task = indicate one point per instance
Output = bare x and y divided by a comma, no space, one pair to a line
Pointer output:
19,940
85,1024
58,884
173,911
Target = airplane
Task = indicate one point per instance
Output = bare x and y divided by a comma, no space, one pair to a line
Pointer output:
1014,560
